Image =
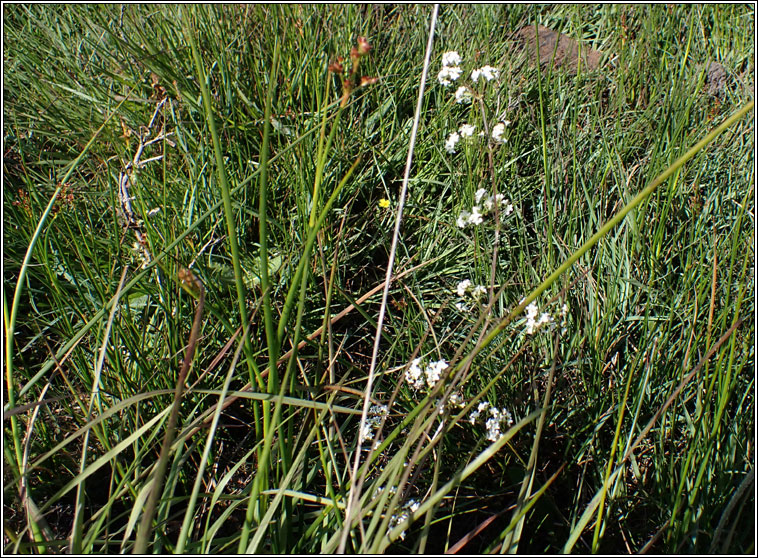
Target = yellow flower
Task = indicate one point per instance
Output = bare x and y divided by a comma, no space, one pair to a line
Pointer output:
384,203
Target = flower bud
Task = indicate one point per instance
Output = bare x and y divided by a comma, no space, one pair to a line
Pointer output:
363,46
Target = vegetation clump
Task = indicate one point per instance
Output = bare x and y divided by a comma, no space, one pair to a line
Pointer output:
368,279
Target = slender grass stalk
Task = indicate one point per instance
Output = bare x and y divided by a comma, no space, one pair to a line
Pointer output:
231,228
310,240
615,220
674,278
355,487
75,543
191,506
156,489
10,321
296,280
614,445
513,534
589,512
255,506
543,133
272,339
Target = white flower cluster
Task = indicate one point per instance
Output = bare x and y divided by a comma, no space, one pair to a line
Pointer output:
497,132
487,72
463,286
532,322
465,131
450,71
498,418
451,58
535,323
429,375
463,95
380,490
396,520
455,401
496,421
452,139
475,216
476,293
373,420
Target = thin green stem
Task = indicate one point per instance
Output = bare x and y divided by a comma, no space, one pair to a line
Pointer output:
615,220
156,490
227,200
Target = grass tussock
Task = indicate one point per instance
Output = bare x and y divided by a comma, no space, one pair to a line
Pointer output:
199,216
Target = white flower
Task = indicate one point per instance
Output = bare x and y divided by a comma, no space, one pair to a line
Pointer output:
493,429
531,313
467,130
414,374
497,131
449,74
434,371
379,411
431,374
463,95
476,216
451,58
367,433
412,505
483,406
455,400
451,141
495,422
533,324
488,72
505,204
478,291
463,286
396,520
462,307
463,218
480,193
373,421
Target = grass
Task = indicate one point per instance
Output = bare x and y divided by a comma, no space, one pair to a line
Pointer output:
255,176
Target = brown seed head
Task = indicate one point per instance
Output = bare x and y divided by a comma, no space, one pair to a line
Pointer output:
363,46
